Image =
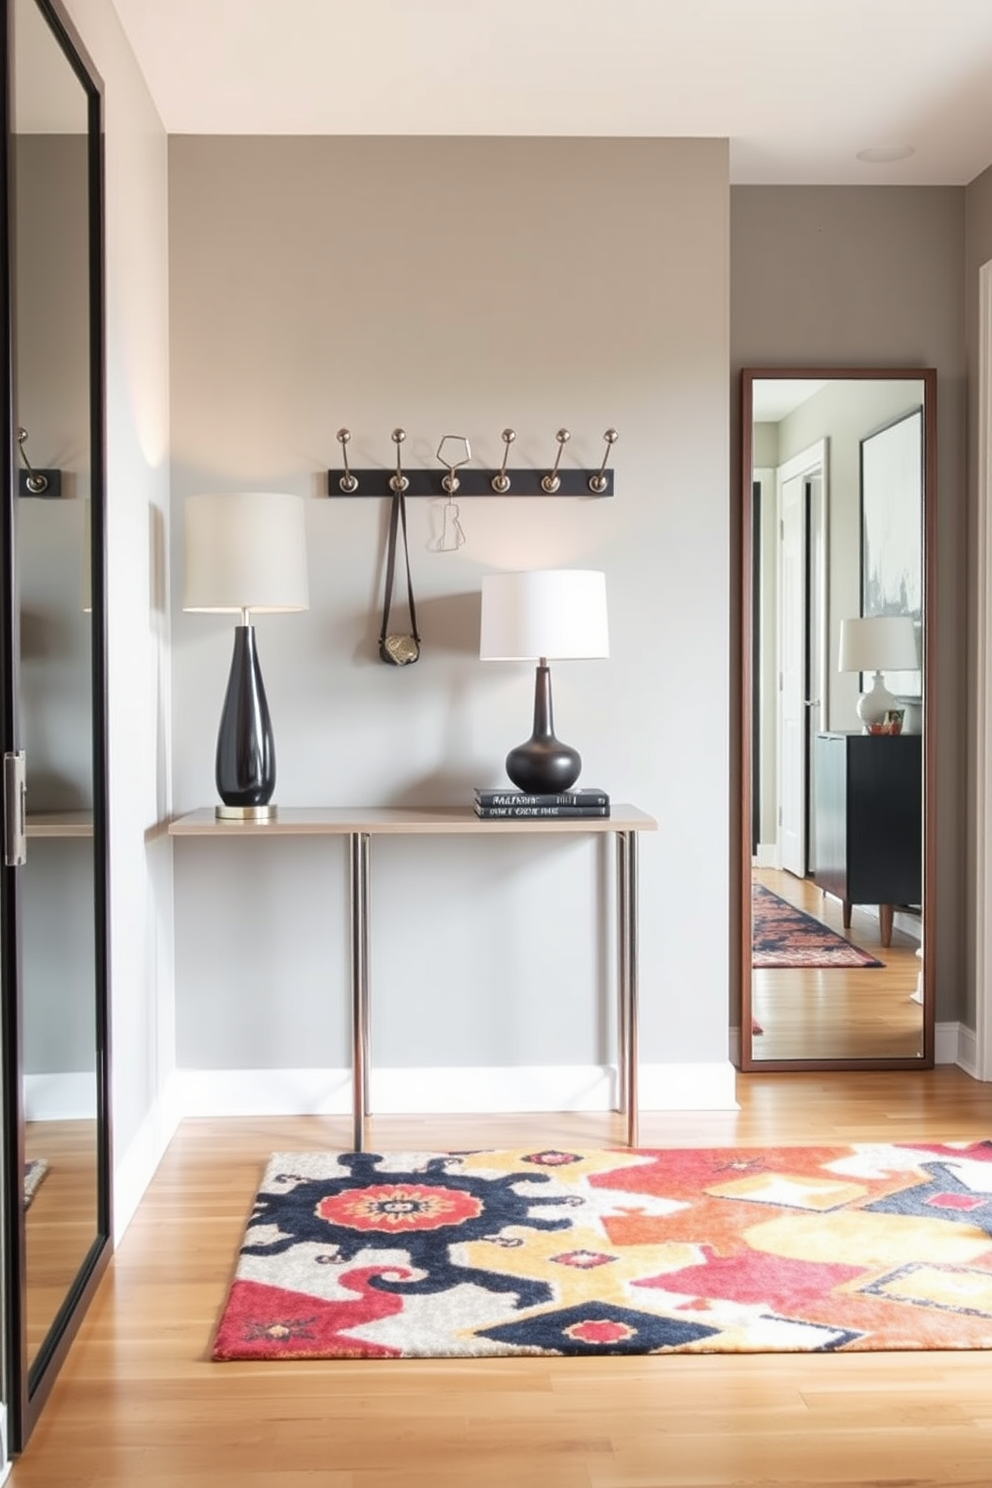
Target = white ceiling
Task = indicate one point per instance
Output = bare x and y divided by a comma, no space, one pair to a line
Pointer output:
798,86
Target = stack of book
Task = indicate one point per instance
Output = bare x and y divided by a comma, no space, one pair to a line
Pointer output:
494,802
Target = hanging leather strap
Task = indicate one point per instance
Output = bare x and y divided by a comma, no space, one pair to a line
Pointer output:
398,650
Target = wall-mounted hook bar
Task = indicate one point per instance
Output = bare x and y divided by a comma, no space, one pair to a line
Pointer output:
501,482
461,477
34,482
597,482
550,483
347,482
398,483
450,482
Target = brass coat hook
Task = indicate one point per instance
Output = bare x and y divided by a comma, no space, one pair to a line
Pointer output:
501,482
450,482
34,482
348,483
398,483
598,482
550,483
37,483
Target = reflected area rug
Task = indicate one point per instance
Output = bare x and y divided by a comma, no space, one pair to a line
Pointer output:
727,1250
783,935
35,1169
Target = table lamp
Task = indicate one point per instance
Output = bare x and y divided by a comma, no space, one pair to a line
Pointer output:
245,552
549,613
877,643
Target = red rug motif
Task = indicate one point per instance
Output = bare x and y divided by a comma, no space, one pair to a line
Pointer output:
726,1250
782,935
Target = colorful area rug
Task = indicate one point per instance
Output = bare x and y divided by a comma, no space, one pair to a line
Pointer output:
473,1254
783,935
35,1169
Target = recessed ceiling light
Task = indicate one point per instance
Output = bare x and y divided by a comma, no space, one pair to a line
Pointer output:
882,154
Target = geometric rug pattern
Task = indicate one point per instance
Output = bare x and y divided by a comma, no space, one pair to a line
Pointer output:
627,1251
782,935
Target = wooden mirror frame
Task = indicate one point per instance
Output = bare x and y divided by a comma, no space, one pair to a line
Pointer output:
927,378
29,1380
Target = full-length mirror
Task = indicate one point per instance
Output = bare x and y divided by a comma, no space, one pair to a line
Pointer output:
836,743
55,1044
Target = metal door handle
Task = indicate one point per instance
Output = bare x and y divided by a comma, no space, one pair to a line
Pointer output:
15,796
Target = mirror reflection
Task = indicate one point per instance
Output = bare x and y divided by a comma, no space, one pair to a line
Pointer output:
52,396
837,493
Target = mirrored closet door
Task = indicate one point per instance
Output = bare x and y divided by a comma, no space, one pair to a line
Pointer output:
54,934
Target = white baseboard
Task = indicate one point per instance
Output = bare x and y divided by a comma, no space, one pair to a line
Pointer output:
956,1044
135,1169
689,1087
70,1096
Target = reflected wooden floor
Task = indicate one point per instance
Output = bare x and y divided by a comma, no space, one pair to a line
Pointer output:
840,1012
139,1405
60,1225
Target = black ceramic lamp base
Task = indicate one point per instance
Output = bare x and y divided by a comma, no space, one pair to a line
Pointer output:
246,757
543,764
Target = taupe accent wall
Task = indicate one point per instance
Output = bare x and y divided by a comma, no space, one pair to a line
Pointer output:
457,286
874,276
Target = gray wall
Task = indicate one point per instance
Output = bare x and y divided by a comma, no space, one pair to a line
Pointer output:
849,276
457,286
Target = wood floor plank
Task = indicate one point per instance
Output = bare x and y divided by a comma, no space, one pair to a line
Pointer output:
139,1404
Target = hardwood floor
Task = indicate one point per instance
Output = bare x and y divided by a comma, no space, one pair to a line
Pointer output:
838,1013
139,1403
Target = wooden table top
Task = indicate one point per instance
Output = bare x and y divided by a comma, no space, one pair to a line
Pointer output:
392,820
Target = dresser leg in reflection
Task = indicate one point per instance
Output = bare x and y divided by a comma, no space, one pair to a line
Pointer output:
885,923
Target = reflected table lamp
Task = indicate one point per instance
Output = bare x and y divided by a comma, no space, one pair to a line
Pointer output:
244,553
537,616
877,643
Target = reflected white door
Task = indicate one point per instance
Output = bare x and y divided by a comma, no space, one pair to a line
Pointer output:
817,681
792,645
802,652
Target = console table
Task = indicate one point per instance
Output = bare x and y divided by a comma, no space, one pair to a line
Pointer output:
360,825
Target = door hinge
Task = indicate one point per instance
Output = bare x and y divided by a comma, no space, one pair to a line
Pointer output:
15,794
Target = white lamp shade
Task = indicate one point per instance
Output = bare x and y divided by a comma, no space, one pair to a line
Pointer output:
245,551
546,612
878,643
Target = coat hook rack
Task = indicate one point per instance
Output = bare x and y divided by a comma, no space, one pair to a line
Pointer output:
34,482
458,474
